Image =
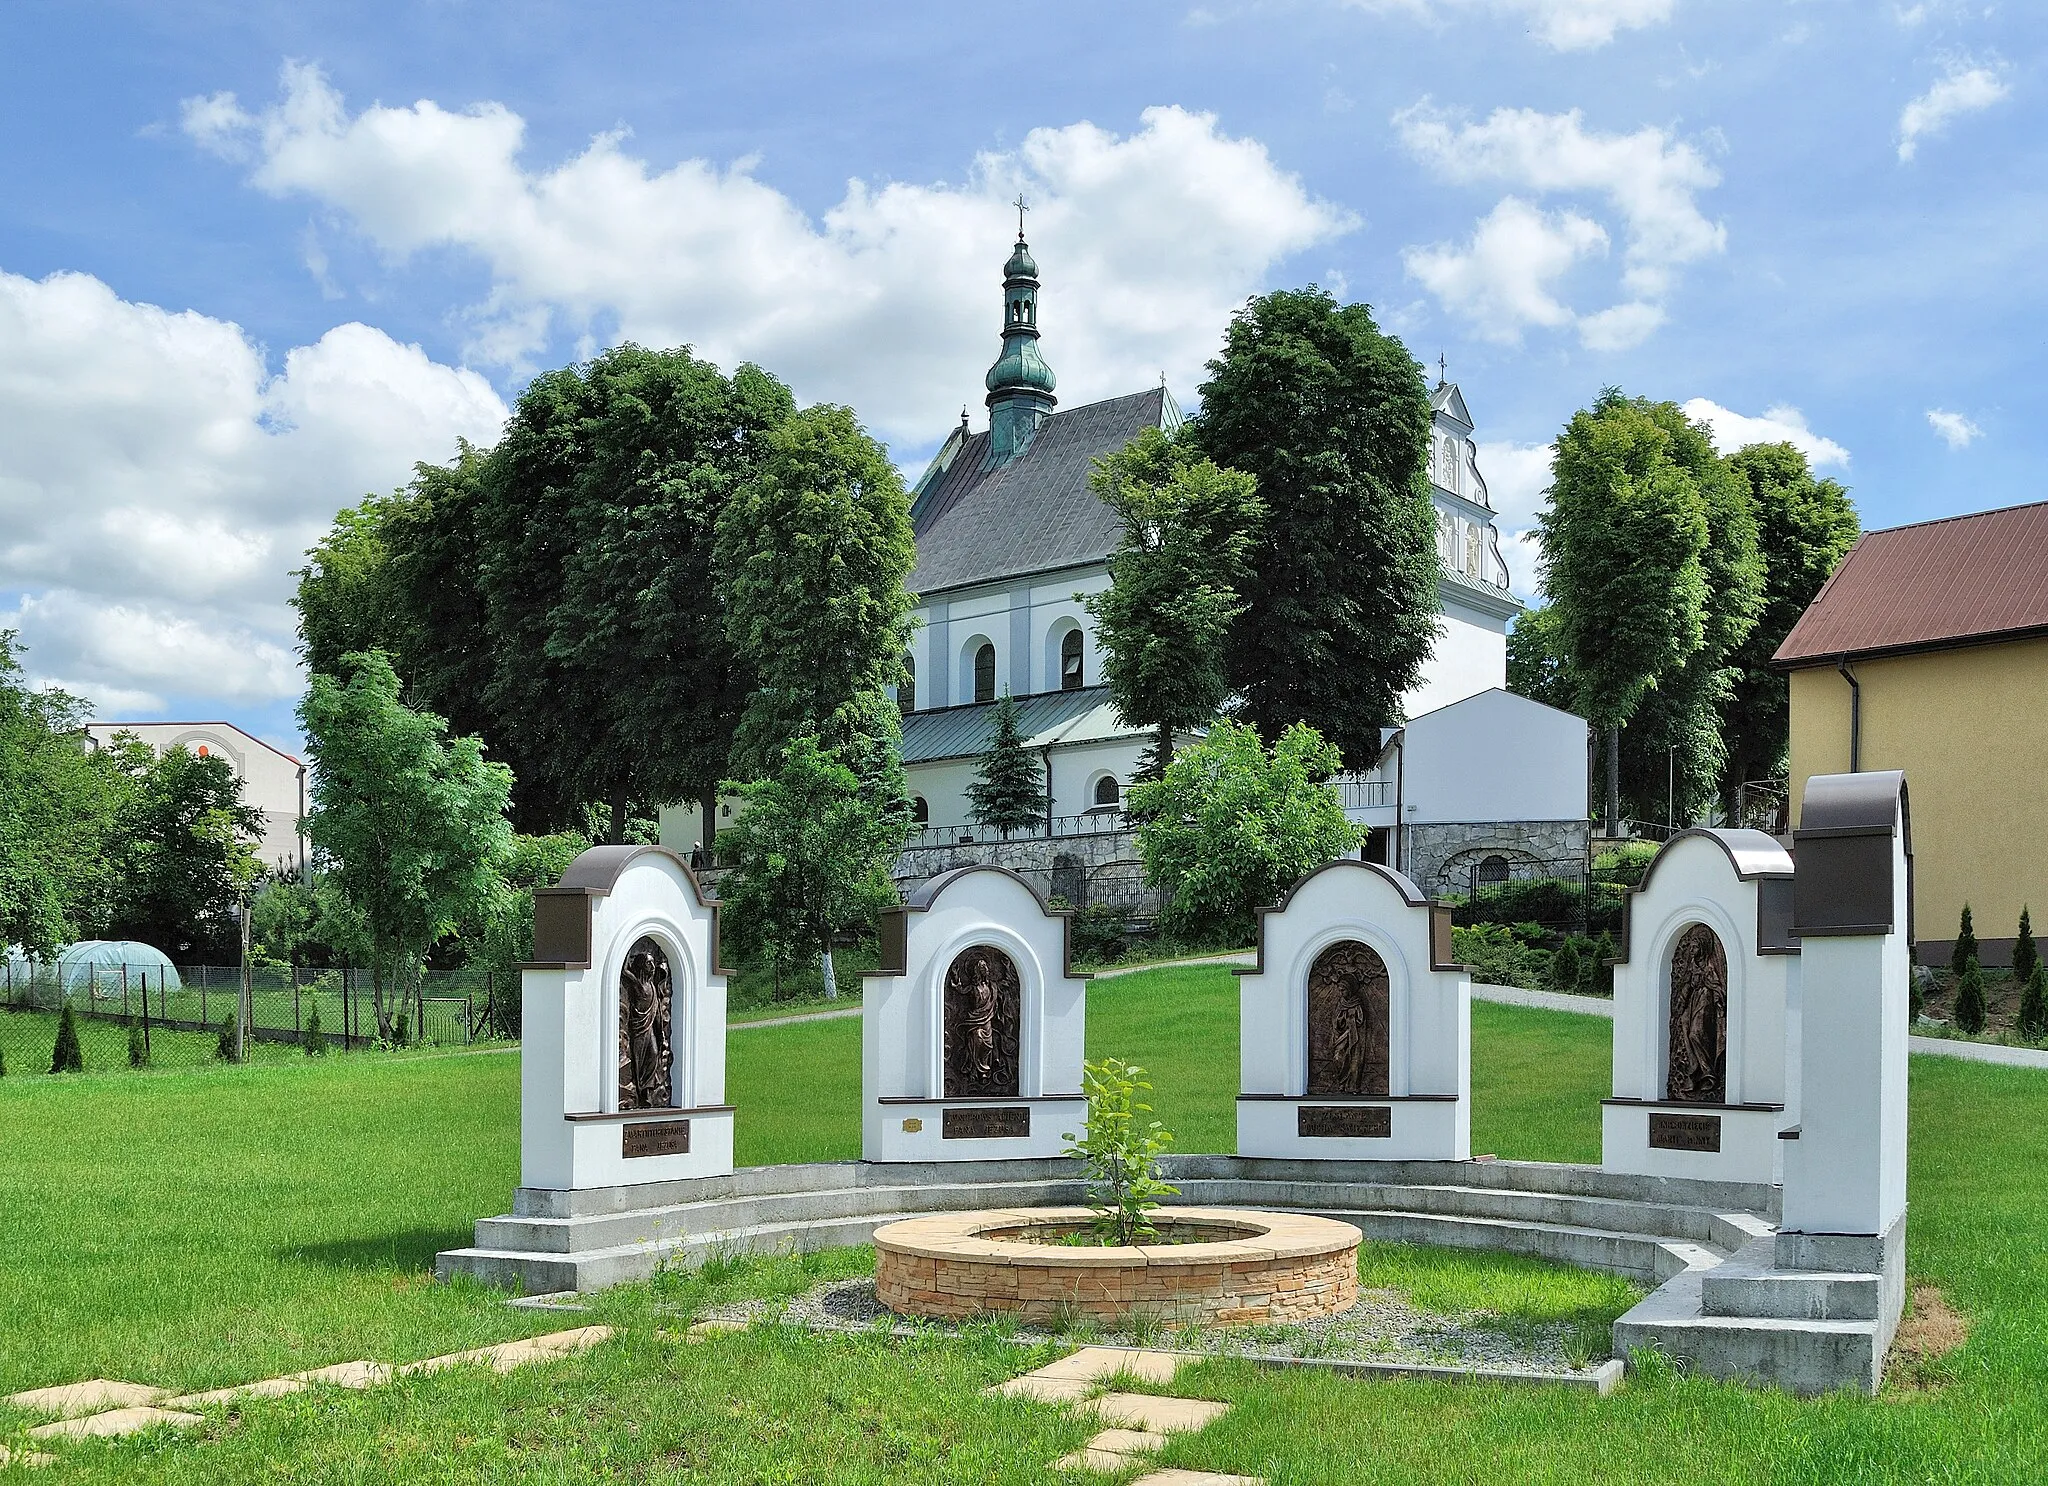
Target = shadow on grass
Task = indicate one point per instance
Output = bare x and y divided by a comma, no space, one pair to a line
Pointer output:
407,1251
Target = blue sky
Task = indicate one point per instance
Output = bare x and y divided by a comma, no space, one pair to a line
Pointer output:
256,260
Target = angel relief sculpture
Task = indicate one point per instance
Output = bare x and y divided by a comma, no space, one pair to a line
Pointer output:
1697,1067
1348,1031
982,1011
645,1057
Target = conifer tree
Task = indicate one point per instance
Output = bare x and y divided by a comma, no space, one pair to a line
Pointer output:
138,1050
1009,792
224,1040
313,1039
2034,1004
1965,953
67,1056
1970,999
1567,968
2024,956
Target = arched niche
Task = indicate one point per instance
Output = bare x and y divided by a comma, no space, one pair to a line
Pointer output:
978,668
984,1002
1696,1019
1350,1045
646,1027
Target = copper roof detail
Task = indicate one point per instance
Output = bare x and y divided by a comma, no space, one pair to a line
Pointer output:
1962,580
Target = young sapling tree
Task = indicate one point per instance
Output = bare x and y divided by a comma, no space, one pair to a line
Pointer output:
1965,952
67,1056
1121,1150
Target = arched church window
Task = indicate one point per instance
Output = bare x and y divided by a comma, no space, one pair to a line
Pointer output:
1070,661
985,673
1493,869
1108,793
920,810
906,689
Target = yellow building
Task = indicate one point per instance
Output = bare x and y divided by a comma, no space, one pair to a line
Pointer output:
1928,651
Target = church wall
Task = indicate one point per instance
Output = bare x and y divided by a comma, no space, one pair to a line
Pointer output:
1495,757
1021,620
1471,656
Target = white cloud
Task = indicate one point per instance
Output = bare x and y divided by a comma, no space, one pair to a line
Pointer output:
1649,180
1564,25
1503,280
158,482
1780,424
1964,88
1147,241
1516,477
1955,430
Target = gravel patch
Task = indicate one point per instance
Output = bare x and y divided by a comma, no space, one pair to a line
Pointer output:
1382,1327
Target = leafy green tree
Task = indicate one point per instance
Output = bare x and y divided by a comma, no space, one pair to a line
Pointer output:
2034,1003
1331,418
1804,529
284,921
1965,951
501,938
812,553
1008,793
1970,1012
346,598
811,858
1623,537
59,801
2024,955
1121,1150
1233,824
413,824
1164,622
185,850
67,1056
1537,668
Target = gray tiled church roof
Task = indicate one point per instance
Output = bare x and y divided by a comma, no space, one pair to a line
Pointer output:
1034,514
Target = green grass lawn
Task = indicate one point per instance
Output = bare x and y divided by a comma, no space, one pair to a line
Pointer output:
203,1227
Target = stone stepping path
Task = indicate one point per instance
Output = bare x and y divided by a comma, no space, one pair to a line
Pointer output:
69,1400
1139,1423
113,1423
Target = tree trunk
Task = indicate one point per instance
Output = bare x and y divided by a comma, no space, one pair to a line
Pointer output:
617,835
377,994
1614,781
1163,746
825,968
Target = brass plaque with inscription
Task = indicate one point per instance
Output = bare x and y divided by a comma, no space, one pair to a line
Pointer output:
655,1138
1345,1121
1685,1132
982,1122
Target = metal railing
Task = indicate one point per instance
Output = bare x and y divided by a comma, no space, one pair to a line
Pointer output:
1103,822
1364,794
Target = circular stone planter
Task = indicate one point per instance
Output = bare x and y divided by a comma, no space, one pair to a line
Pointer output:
1223,1265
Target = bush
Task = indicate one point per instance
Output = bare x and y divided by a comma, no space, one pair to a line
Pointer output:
224,1043
138,1045
1544,900
2034,1004
1568,966
1101,932
67,1056
401,1030
1498,955
3,1062
1970,999
1965,953
2024,956
1121,1154
1626,864
312,1039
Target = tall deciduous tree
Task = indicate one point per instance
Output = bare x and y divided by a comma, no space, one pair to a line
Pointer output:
1331,416
184,850
1537,668
346,598
1805,527
1623,536
1189,526
413,822
1008,792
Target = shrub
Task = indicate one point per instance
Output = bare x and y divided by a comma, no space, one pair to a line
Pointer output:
1626,863
67,1056
224,1041
312,1039
1498,955
1568,965
138,1046
1970,999
3,1062
1545,900
2024,956
1121,1152
2034,1004
1101,932
1965,953
401,1030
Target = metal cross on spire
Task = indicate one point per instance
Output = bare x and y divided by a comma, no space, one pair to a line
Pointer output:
1022,208
1443,373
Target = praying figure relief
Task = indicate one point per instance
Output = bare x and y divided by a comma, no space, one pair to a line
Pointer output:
1348,1031
984,1001
644,1051
1699,1019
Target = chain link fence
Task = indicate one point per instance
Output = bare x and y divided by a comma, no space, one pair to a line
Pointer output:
143,1015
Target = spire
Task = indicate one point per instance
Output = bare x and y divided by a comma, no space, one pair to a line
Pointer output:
1020,384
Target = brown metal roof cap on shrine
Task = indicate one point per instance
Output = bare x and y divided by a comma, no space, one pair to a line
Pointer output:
1959,581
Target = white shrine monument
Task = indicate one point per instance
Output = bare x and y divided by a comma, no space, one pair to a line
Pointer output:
1705,1006
974,1026
1355,1025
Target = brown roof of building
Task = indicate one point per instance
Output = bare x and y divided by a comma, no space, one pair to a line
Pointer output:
1936,584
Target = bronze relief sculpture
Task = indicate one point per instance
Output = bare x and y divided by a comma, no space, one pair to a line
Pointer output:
1349,1036
645,1055
1697,1067
983,1012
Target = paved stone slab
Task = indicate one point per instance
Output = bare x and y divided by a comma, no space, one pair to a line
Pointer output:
716,1327
33,1458
1043,1390
507,1355
113,1424
1111,1450
1091,1364
69,1400
347,1375
266,1388
1196,1478
1159,1415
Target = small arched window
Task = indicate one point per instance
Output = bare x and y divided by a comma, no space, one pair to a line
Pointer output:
920,810
906,689
1493,869
1070,661
1108,793
985,673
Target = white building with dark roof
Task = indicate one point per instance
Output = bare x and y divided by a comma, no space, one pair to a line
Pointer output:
272,780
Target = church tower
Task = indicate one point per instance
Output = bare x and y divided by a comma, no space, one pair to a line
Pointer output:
1020,383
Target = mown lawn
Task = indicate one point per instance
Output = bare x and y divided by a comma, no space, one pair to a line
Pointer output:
204,1227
